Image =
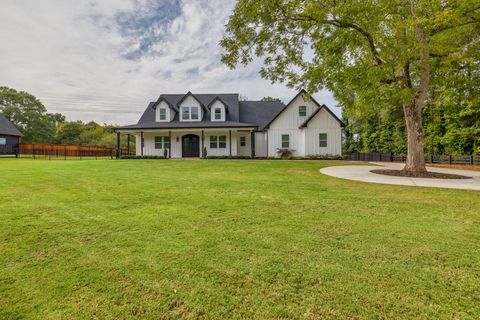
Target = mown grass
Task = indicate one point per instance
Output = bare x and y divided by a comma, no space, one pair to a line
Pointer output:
230,239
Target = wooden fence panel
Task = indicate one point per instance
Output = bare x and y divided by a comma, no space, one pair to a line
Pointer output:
67,151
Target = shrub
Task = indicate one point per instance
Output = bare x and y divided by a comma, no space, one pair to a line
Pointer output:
285,153
142,157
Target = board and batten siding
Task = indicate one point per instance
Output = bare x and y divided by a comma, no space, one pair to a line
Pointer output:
323,122
288,122
176,143
260,144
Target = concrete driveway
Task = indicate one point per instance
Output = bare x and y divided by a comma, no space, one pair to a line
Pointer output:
362,173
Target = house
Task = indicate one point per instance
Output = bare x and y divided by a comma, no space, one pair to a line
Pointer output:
9,137
190,125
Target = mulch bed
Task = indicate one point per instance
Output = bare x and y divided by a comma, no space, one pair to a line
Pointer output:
432,175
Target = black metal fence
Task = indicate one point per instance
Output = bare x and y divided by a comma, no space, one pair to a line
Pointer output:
434,159
8,150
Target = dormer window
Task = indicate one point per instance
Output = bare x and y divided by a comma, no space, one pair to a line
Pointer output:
218,114
302,111
162,114
189,113
217,110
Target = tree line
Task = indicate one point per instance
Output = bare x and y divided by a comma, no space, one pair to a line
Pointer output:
37,125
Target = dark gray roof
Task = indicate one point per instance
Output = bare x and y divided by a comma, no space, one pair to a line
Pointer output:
189,124
305,123
259,113
239,113
7,128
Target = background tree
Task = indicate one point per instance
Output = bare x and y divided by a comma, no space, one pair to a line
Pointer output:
270,99
370,54
29,115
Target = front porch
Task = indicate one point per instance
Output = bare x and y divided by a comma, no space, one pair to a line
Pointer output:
193,143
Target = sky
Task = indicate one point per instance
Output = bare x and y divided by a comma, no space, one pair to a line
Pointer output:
105,60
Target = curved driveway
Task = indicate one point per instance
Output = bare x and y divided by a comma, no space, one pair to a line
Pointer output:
362,173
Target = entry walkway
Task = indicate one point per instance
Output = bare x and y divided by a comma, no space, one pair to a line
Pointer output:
362,173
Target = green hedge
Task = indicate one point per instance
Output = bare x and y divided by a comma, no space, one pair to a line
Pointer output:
142,157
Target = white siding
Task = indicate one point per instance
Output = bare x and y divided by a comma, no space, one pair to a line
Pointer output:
323,122
170,113
247,149
149,143
176,143
260,144
222,151
288,122
217,104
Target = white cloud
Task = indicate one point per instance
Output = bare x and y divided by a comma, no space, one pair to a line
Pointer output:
72,55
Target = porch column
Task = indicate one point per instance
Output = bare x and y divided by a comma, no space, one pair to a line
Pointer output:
169,144
128,143
252,143
117,154
203,146
141,143
230,142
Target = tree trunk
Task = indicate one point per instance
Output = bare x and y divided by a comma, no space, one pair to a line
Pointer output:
415,156
413,111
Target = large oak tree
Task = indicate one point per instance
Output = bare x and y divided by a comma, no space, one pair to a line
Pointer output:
368,52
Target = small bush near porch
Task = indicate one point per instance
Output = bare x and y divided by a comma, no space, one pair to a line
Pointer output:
228,240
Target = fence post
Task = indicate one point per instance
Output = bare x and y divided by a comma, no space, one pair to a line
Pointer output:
65,152
33,153
449,159
471,160
431,158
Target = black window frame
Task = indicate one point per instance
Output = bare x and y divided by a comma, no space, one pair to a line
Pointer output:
320,140
302,113
287,141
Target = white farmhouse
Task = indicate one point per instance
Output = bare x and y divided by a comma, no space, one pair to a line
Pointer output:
191,125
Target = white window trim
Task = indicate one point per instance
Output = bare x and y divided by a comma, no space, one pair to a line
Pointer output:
163,141
167,115
190,108
222,113
245,141
215,140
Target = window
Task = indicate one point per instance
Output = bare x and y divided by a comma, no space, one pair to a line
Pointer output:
222,142
243,141
213,142
302,111
218,142
162,143
322,140
3,141
189,113
218,114
162,114
285,141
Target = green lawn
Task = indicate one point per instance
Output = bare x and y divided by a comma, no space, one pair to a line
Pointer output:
230,239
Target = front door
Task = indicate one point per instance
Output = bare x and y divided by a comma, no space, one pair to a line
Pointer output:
190,146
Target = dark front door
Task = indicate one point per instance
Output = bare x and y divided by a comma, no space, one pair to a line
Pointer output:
190,146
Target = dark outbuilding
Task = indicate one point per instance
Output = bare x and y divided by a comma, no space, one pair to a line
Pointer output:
9,137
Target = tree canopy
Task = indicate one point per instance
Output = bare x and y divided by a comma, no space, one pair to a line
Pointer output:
376,56
30,116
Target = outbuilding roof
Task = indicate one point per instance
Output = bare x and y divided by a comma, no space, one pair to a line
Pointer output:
7,128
